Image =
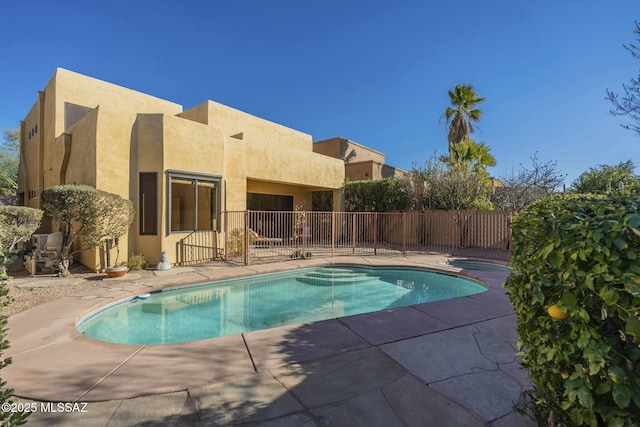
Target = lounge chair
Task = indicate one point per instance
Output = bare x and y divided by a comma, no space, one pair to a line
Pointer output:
258,240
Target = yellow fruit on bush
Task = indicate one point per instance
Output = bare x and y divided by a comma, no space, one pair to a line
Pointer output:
555,313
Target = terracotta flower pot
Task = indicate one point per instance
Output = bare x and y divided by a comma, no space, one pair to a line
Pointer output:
117,271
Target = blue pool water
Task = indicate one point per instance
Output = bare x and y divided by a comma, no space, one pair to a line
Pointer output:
227,307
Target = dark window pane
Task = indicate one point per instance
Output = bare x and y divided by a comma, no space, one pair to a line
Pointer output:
148,203
207,217
182,204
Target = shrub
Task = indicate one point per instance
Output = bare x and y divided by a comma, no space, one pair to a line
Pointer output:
7,418
384,195
83,211
236,242
581,254
17,224
136,262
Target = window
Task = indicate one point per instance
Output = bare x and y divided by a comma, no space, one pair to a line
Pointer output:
194,201
148,203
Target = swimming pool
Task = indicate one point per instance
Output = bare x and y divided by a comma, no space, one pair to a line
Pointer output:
227,307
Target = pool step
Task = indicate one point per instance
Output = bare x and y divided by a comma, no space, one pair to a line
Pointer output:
327,278
335,269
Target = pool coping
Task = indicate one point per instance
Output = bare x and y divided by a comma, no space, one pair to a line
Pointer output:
52,361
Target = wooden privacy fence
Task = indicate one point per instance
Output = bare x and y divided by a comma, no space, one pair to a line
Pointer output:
252,237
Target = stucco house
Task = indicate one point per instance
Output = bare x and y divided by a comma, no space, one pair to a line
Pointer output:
181,168
361,163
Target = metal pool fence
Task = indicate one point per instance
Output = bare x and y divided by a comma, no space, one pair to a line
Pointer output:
255,237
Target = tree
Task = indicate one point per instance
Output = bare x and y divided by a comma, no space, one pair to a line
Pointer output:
526,186
629,103
607,179
462,113
115,219
87,215
17,224
471,154
450,186
9,160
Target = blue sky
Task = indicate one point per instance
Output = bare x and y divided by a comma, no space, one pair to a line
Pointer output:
376,72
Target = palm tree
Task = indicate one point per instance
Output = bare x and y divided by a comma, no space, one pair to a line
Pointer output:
477,155
462,112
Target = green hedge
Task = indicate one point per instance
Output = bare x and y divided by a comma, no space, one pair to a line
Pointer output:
581,253
383,195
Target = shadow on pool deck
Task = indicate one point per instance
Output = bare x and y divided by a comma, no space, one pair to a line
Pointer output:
446,363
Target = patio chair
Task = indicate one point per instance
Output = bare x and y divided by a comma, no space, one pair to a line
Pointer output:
258,240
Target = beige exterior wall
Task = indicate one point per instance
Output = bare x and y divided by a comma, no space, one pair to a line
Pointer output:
347,150
361,163
122,133
358,171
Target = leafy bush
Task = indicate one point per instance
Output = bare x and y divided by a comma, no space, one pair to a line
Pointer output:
7,418
136,262
17,224
449,185
235,245
580,253
83,211
385,195
607,179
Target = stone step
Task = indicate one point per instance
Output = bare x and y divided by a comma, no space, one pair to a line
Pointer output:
326,279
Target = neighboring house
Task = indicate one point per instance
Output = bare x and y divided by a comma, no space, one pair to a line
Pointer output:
360,162
180,168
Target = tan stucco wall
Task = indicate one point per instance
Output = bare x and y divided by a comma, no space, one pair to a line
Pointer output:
259,131
190,147
347,150
329,147
301,195
360,171
126,132
260,150
29,156
83,135
199,113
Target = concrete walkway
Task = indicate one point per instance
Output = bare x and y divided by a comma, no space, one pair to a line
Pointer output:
446,363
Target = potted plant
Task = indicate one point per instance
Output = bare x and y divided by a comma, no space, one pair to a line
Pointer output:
118,270
118,215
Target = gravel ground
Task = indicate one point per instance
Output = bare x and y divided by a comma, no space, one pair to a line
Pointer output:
24,298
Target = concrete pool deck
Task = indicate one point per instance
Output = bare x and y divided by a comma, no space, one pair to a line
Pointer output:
445,363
